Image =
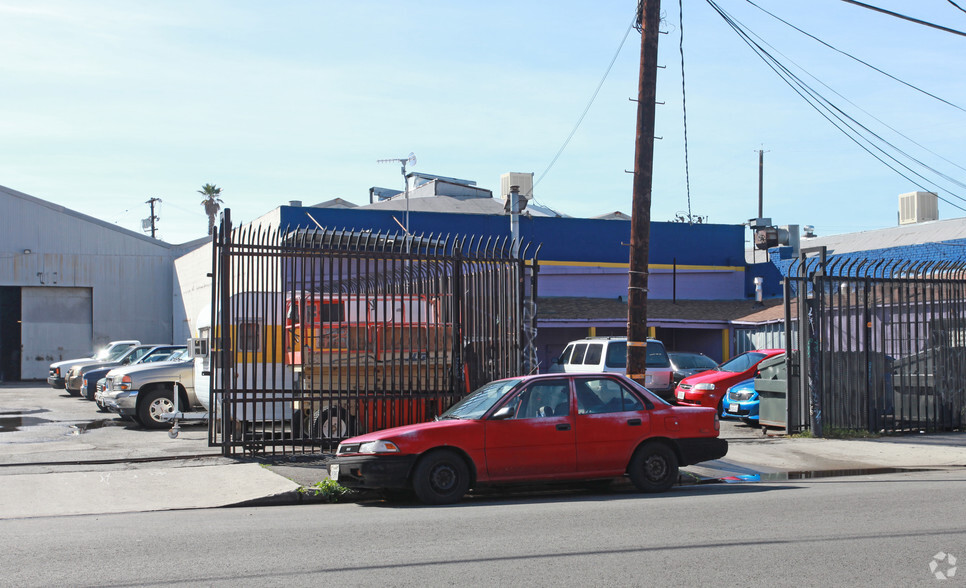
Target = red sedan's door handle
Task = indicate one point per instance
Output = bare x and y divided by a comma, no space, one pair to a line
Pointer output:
634,422
563,427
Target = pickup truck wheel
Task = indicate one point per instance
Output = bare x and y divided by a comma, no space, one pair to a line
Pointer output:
653,468
441,477
152,406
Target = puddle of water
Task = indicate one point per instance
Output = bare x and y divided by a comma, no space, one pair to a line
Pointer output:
6,413
10,424
82,428
16,423
805,475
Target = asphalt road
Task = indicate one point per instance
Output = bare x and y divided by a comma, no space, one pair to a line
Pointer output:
873,530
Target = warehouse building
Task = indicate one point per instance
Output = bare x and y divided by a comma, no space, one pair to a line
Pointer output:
70,282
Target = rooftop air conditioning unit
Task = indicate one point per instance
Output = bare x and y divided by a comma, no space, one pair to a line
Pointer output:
524,181
918,207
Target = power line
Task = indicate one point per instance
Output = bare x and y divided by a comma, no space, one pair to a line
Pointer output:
909,18
867,113
828,110
584,114
684,108
956,5
850,56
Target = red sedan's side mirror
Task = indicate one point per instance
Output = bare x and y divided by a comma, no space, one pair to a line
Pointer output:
504,413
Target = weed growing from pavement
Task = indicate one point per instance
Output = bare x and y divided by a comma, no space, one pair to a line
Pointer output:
328,489
837,434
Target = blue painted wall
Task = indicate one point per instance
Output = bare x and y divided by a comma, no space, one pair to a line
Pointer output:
563,239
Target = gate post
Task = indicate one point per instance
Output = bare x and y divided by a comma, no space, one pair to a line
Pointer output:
809,335
461,377
224,332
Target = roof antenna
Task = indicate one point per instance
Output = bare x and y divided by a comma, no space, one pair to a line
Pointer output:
410,161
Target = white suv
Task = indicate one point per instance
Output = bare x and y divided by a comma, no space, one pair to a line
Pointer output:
609,354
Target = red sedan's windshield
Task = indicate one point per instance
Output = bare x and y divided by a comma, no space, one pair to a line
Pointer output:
741,363
479,402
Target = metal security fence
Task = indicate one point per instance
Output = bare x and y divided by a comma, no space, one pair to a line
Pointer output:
323,334
884,345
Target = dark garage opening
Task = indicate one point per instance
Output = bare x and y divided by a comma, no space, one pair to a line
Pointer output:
10,343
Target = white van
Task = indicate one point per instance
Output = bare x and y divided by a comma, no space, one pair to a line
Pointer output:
609,354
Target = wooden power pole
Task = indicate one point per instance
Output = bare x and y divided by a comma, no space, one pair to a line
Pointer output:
641,208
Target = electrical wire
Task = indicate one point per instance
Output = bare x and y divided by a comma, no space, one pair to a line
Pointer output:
684,107
909,18
867,113
916,88
822,103
828,110
583,114
956,5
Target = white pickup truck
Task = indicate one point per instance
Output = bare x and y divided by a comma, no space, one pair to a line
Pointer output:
145,392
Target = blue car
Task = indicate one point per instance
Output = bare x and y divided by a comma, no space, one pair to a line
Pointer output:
741,402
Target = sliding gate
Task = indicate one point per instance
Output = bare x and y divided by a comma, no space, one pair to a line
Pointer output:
323,334
883,345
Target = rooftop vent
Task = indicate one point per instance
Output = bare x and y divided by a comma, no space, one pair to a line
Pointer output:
918,207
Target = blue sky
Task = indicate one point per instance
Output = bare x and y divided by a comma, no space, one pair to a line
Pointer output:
107,104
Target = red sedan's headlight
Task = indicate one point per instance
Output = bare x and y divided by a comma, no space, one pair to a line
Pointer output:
379,447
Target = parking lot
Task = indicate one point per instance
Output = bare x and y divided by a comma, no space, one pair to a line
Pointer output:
41,426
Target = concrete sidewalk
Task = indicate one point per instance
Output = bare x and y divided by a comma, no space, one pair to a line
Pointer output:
218,482
782,454
142,489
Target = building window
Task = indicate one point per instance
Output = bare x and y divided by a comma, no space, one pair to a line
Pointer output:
249,337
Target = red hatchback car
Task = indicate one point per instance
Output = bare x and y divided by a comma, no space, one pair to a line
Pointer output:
708,388
549,427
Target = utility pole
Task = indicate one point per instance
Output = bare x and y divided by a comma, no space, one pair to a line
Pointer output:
153,217
761,172
641,207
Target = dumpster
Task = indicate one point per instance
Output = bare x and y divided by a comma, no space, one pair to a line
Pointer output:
771,384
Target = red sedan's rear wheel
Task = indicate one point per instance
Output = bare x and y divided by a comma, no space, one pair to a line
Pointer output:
653,468
441,477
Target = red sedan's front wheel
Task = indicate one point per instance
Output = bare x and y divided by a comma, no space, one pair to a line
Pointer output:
441,477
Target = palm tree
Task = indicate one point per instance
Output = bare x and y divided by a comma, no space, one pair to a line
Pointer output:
212,203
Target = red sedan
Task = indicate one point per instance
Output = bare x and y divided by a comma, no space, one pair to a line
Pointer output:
549,427
708,388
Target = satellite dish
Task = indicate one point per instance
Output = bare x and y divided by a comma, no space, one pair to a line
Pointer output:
412,159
